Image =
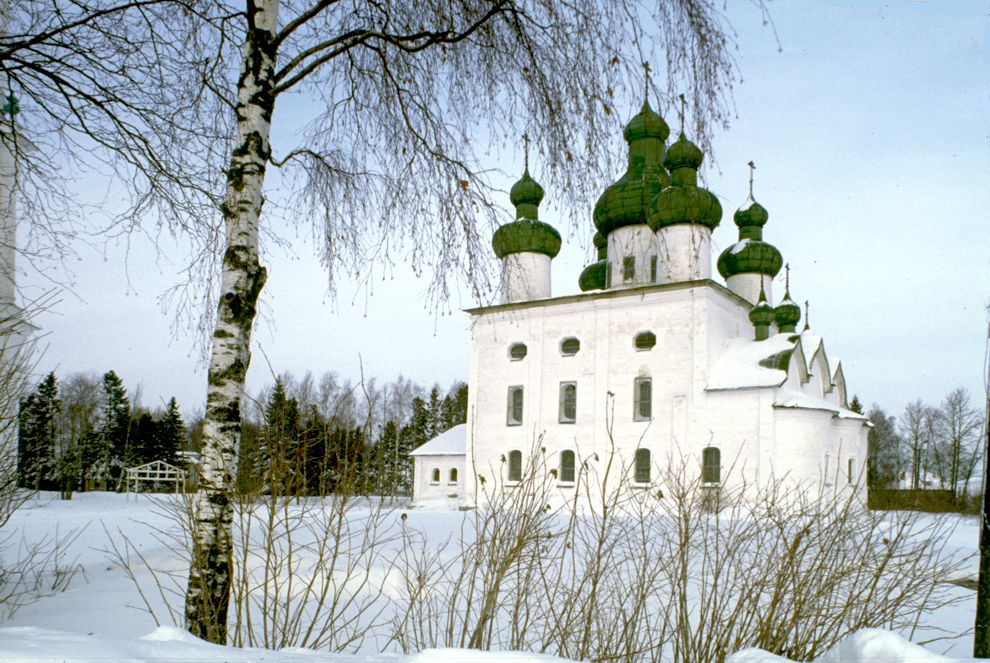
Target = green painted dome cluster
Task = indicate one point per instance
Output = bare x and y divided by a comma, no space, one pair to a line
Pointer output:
625,202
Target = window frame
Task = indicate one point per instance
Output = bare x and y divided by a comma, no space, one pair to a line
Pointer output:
644,334
708,467
514,466
628,269
565,467
435,476
568,339
562,416
638,399
642,467
851,470
653,268
512,418
452,477
513,346
608,274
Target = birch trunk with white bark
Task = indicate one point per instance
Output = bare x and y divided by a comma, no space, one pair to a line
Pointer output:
208,591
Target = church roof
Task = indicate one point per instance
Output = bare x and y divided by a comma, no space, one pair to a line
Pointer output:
788,398
450,443
748,363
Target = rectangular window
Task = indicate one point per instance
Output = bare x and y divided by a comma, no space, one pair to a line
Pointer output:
515,465
567,466
628,269
568,402
852,471
711,465
608,275
643,396
514,416
641,466
653,269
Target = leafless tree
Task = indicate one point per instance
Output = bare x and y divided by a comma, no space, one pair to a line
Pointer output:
177,98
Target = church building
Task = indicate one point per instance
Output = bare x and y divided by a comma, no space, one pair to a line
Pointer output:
654,358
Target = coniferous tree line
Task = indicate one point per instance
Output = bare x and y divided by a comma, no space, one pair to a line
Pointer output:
928,447
84,431
312,437
309,437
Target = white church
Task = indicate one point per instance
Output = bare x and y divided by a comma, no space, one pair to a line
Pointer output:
654,357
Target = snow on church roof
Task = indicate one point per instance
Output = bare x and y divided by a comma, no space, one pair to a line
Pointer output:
795,399
451,443
748,363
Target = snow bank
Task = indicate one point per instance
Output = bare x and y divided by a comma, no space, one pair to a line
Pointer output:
866,646
168,643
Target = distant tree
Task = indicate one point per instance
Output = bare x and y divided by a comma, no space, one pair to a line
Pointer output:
915,428
855,405
959,426
38,432
78,441
280,460
454,409
141,439
114,452
883,454
170,434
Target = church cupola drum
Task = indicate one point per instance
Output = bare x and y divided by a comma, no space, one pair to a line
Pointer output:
683,215
621,211
527,245
750,265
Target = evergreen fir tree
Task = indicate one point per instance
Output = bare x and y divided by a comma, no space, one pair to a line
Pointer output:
855,405
38,429
141,441
280,461
170,434
114,452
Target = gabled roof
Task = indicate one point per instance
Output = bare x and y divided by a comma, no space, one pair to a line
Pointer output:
746,363
450,443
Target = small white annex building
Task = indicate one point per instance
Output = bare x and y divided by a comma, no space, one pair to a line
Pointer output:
438,466
654,358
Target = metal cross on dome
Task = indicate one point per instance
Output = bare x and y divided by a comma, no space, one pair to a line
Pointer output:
752,168
525,138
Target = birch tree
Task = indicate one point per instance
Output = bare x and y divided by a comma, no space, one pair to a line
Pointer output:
400,107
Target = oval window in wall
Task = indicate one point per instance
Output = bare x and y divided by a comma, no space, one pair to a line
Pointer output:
517,351
570,346
645,340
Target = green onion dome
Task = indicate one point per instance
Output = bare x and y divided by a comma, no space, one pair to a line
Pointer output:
625,202
750,219
526,195
526,236
761,315
646,124
593,276
750,255
787,314
684,201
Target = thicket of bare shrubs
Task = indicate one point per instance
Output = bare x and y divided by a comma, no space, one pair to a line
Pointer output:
674,571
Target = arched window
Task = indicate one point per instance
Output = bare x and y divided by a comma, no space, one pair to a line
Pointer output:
570,346
567,466
435,476
643,399
515,465
628,269
711,465
641,466
517,351
452,479
568,402
514,414
645,340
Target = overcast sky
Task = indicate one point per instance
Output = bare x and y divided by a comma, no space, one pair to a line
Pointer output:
870,128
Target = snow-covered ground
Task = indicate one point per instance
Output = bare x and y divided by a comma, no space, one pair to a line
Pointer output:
101,615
